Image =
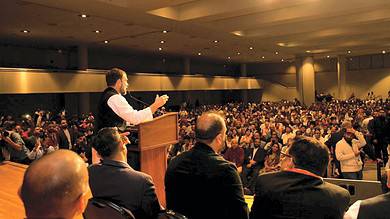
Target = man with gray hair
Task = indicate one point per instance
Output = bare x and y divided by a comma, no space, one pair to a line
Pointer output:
199,183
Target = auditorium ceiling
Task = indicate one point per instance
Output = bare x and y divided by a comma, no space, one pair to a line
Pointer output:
231,30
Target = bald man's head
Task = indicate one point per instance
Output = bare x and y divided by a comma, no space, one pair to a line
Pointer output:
209,126
55,186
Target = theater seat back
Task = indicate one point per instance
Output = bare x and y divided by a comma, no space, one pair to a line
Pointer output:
358,189
102,209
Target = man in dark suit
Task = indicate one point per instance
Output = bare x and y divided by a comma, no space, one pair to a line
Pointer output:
253,163
378,128
298,191
66,136
113,179
199,183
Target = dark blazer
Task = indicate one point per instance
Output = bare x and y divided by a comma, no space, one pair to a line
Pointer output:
377,207
334,138
119,183
259,157
200,184
63,142
293,195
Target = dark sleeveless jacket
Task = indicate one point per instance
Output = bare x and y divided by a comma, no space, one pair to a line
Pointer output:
106,117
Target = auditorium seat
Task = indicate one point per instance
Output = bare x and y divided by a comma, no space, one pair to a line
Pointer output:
101,209
358,189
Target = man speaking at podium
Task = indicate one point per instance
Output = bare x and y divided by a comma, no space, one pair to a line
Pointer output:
115,111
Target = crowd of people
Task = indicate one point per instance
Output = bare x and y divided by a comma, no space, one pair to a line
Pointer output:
259,133
28,138
258,138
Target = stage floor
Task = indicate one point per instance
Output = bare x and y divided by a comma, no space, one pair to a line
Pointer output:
11,177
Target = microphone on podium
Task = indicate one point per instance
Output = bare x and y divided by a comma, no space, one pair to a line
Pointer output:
136,99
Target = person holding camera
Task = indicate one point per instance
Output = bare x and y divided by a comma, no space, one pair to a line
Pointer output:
13,143
35,144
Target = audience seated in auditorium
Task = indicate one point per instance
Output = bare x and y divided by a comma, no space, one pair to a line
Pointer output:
200,183
298,191
114,180
56,186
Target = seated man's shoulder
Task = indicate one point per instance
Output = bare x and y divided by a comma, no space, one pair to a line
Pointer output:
335,193
272,175
383,198
99,170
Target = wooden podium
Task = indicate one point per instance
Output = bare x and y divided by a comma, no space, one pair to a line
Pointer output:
153,138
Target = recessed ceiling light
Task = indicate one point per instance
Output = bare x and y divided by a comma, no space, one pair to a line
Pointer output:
349,52
250,47
84,15
276,52
282,60
216,41
159,48
106,41
308,51
25,31
199,53
238,53
165,31
383,51
97,31
162,41
228,57
263,57
328,56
